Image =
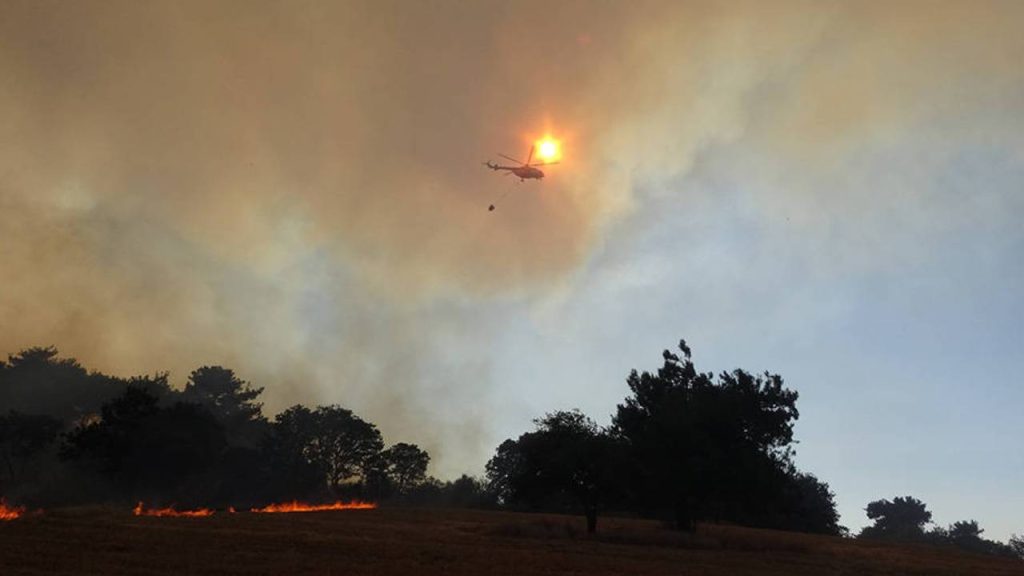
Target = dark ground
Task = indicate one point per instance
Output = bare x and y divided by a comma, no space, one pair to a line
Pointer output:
404,541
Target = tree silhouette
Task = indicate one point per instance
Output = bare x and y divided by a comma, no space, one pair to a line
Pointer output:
567,461
805,504
406,465
231,400
107,442
965,533
503,469
22,438
335,441
903,518
463,492
145,449
702,447
1016,544
468,491
37,381
137,437
292,472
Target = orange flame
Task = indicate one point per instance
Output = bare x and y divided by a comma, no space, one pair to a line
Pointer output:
140,511
296,506
9,512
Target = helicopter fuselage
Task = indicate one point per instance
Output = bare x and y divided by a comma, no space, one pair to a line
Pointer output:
525,172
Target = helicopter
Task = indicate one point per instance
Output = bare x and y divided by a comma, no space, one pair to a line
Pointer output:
525,170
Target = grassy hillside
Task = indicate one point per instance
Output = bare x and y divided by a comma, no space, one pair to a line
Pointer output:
402,541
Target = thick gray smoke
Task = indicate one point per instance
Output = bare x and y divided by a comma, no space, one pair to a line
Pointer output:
293,189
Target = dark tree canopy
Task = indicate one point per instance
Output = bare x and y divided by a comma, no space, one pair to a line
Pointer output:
809,505
566,462
468,491
340,445
37,381
1016,545
146,449
683,444
209,443
23,437
503,469
902,518
463,492
966,535
405,466
231,400
704,447
965,531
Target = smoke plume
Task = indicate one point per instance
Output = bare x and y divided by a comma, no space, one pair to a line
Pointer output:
294,189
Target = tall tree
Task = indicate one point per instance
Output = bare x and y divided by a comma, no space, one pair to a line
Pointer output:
344,444
503,469
292,471
699,446
231,400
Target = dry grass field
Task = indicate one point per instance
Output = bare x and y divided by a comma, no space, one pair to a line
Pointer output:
456,542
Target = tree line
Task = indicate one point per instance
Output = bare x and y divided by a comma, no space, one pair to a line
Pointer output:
69,436
905,519
684,446
690,447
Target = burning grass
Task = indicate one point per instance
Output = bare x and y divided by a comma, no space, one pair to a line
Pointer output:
279,508
295,506
140,510
10,512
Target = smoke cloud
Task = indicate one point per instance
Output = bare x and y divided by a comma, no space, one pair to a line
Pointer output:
293,189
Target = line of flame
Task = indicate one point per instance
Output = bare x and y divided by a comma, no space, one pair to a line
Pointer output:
160,512
13,512
296,506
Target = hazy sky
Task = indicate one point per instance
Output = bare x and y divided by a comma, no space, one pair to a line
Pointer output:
827,190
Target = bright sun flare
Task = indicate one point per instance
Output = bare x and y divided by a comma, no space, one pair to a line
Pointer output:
548,149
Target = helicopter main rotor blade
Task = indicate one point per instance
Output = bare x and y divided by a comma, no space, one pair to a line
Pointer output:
547,163
510,158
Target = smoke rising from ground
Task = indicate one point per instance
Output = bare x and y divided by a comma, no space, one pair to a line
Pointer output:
293,189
